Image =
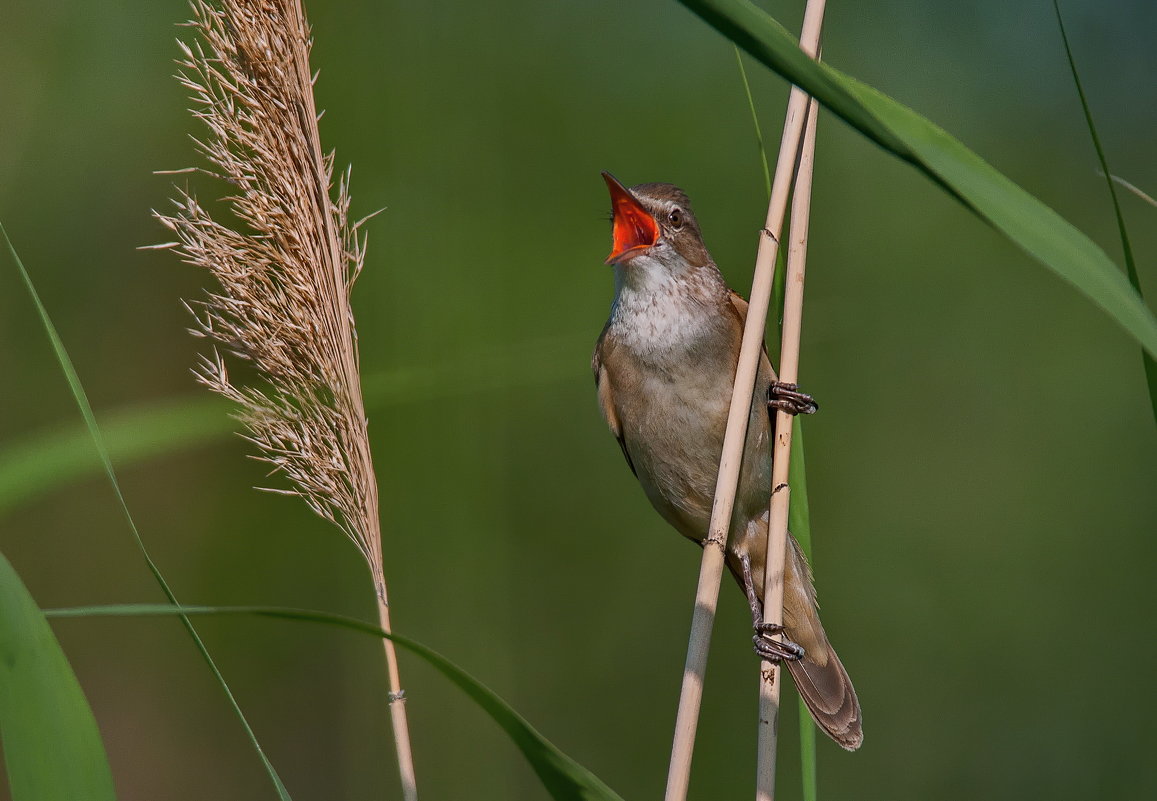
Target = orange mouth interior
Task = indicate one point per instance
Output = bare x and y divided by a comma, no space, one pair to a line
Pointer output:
634,228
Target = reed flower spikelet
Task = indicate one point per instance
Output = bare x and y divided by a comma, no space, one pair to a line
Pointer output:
284,273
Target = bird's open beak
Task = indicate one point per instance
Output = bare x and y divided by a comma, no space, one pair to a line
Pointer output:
635,228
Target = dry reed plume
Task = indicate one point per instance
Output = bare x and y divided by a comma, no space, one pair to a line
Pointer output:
285,273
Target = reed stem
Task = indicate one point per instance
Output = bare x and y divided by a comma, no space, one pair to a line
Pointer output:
284,277
347,354
771,674
397,697
715,546
770,682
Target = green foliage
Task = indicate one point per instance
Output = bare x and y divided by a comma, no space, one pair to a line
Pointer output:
759,145
799,523
43,680
565,779
52,748
1147,359
986,192
894,530
86,412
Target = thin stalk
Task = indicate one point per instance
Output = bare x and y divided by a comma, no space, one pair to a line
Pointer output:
397,697
755,122
1148,362
1134,189
342,332
715,546
770,682
347,354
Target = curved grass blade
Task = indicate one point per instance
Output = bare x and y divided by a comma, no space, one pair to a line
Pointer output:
799,523
755,122
1026,221
564,779
52,747
1130,263
85,408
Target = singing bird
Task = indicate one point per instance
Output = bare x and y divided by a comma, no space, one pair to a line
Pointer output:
664,366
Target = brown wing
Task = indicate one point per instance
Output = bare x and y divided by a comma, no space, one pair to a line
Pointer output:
606,397
820,676
740,306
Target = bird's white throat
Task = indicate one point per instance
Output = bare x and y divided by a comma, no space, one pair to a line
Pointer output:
659,310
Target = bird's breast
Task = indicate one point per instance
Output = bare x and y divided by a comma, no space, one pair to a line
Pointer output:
673,406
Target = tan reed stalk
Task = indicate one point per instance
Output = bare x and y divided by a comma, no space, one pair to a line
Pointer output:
285,273
715,545
770,681
1134,189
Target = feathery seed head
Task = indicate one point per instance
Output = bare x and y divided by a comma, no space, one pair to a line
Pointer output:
285,272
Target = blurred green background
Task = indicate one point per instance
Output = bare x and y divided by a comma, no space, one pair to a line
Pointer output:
982,474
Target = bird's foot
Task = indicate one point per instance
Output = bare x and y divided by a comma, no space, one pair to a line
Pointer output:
773,650
766,646
787,398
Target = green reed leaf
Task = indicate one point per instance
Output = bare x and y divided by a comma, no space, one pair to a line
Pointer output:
94,433
564,778
995,199
52,747
1150,365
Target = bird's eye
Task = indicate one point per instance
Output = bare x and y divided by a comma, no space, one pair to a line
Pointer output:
675,218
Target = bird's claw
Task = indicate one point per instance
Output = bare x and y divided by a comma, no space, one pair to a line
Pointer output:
766,646
786,397
775,650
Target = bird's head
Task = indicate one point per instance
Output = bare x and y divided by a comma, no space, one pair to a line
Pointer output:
654,225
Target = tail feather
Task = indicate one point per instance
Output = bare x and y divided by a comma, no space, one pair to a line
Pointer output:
830,698
820,676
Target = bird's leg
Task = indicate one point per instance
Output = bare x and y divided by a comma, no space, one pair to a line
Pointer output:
765,647
787,398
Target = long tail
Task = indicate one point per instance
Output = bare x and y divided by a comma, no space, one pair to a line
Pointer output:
819,676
